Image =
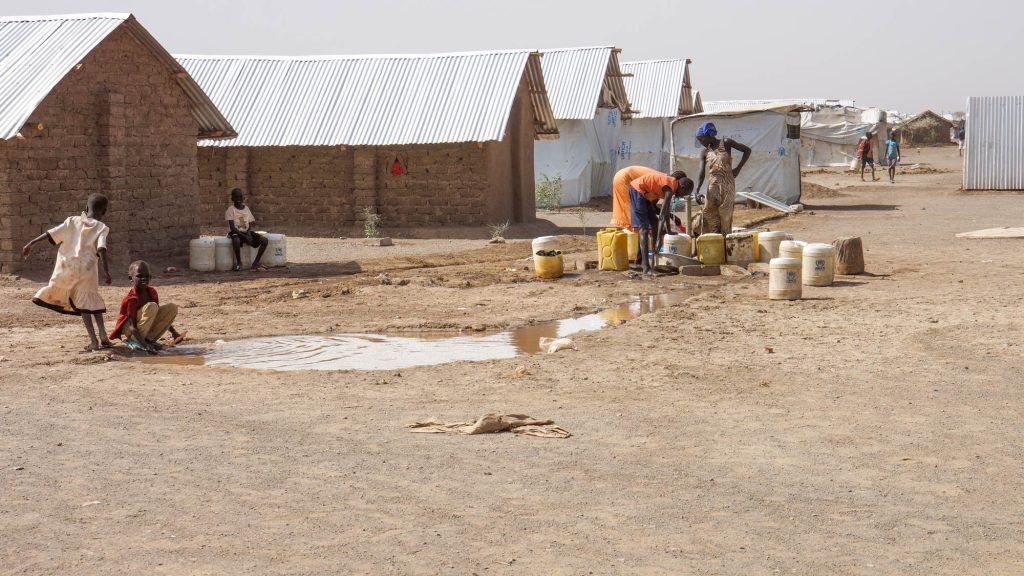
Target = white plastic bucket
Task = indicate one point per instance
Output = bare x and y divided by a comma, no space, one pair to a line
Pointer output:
768,244
202,254
784,281
819,263
739,248
792,249
277,250
680,244
545,243
223,257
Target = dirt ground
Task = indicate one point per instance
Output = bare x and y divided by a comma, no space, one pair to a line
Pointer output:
881,435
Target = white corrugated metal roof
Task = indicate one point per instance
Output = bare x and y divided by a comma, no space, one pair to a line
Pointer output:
580,80
729,105
371,100
659,88
994,130
36,52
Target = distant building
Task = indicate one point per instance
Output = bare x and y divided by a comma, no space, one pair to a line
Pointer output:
93,103
590,103
423,140
925,129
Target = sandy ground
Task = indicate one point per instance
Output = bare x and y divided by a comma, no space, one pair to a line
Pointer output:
881,436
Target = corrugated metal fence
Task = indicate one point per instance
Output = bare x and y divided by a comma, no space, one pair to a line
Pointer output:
994,155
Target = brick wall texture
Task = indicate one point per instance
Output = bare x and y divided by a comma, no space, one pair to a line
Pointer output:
322,190
119,125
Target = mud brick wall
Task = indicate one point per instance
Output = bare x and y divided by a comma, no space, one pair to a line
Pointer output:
322,190
119,124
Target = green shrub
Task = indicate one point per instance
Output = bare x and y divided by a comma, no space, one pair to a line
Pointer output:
548,192
371,223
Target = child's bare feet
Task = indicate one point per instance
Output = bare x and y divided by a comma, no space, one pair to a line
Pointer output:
106,344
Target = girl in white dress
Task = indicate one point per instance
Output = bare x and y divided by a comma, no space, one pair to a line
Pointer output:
74,286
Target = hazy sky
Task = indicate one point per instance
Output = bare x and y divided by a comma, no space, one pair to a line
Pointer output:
905,55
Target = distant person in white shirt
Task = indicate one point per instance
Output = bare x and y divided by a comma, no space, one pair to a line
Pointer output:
240,222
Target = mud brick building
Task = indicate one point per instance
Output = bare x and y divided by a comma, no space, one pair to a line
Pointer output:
925,129
423,140
93,103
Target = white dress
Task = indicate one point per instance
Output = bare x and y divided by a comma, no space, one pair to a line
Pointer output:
74,286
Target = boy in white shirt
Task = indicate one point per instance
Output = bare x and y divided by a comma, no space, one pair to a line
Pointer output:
240,222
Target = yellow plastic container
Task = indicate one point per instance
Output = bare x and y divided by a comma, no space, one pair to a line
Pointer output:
757,246
612,249
549,266
632,244
711,249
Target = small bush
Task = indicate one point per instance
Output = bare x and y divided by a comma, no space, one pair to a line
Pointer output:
498,230
371,223
548,192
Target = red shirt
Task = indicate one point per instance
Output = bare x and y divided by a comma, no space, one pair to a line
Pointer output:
130,309
652,185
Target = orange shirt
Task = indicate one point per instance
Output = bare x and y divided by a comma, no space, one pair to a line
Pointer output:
652,185
620,193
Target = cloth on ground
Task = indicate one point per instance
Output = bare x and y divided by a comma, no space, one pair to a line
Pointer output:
492,424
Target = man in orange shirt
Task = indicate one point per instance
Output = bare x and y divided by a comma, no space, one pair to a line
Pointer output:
620,193
644,194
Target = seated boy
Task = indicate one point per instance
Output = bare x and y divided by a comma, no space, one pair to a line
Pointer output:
142,319
240,221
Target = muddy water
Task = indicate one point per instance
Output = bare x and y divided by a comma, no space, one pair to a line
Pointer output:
379,352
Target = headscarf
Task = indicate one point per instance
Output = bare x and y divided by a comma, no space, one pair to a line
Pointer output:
707,129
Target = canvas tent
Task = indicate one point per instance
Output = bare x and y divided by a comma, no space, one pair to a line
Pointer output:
658,90
829,135
589,103
830,129
770,132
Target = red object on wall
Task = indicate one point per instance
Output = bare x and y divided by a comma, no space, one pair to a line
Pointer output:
396,168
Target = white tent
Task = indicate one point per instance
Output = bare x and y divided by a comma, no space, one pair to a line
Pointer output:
771,132
658,90
829,129
829,136
589,101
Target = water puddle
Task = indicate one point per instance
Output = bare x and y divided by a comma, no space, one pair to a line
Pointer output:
380,352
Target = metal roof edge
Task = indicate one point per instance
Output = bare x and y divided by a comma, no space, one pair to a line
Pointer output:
212,123
86,16
330,57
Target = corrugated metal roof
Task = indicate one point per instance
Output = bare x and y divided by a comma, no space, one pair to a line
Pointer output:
36,52
580,80
727,105
659,88
698,104
371,100
780,107
994,129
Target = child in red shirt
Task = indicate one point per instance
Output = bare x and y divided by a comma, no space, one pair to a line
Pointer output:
142,319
